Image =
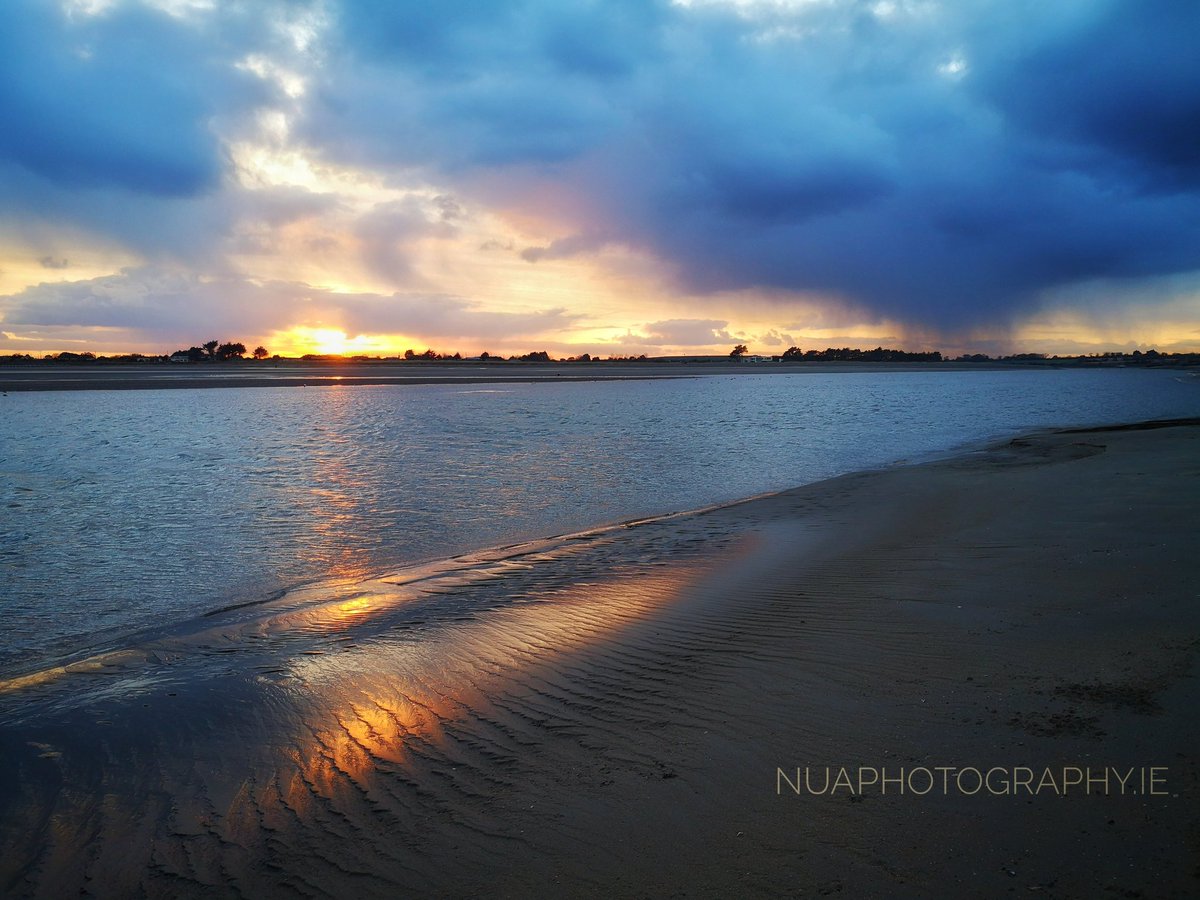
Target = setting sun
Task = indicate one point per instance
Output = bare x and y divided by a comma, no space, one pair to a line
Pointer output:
326,340
329,342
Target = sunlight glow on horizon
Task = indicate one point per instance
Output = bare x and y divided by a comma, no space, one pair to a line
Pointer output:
302,340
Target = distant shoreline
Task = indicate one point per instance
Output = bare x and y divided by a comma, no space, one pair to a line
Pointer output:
298,373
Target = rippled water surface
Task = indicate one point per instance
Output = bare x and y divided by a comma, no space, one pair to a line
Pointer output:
123,510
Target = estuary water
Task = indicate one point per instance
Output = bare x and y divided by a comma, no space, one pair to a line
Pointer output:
122,511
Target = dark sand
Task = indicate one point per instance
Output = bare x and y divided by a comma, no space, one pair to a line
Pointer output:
605,714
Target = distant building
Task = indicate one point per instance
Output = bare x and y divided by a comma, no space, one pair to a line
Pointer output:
180,357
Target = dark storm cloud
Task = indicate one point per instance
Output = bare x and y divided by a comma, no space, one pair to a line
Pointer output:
941,164
1124,83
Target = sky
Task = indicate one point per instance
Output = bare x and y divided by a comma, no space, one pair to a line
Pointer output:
617,177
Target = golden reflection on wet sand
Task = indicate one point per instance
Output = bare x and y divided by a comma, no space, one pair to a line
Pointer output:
342,731
334,605
373,703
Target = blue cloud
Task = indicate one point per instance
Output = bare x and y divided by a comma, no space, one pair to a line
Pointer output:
948,166
121,99
1122,84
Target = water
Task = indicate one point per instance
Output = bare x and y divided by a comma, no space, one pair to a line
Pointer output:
125,509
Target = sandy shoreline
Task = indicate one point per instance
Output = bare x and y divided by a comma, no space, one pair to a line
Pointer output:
608,714
292,373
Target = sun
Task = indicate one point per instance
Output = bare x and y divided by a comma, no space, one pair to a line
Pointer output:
328,341
302,340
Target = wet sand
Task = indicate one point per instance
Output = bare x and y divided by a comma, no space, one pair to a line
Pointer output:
608,713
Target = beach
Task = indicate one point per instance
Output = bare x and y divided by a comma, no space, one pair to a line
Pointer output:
651,708
300,373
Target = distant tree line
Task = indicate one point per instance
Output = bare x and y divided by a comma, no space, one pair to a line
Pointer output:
1113,356
432,355
215,351
535,356
847,354
209,351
